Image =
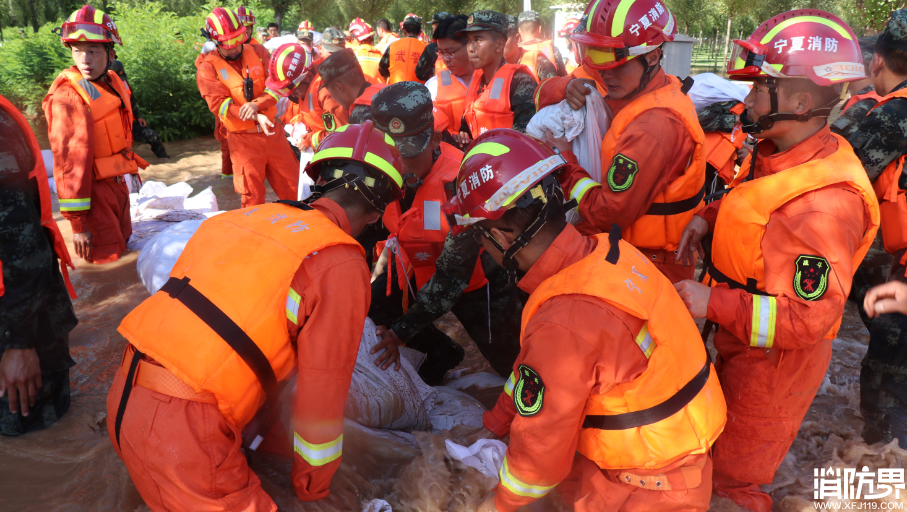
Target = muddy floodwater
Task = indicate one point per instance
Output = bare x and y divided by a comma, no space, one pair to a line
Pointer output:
71,466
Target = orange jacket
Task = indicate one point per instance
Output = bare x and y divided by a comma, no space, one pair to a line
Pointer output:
892,200
47,216
531,53
388,38
657,134
314,105
488,106
859,97
451,99
769,394
422,230
220,84
622,352
366,97
369,57
404,55
297,320
721,148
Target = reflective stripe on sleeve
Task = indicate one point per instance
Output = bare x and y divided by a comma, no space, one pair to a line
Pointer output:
644,340
75,205
273,94
765,310
516,486
318,454
509,385
581,187
293,299
224,106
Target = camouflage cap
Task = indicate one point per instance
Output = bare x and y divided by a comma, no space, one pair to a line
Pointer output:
485,20
512,23
438,16
867,48
404,111
895,34
336,65
333,40
529,16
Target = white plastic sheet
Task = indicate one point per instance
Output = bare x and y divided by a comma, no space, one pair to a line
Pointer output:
486,455
709,88
305,182
156,207
160,254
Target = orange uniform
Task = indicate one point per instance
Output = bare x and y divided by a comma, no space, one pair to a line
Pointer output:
657,149
255,156
769,391
317,102
604,354
369,57
89,202
220,134
181,442
403,55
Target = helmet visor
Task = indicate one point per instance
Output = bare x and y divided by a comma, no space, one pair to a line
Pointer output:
85,32
747,59
232,42
600,54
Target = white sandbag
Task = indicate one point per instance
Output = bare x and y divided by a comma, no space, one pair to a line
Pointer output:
305,182
481,380
377,505
386,399
451,408
204,202
160,254
709,88
486,455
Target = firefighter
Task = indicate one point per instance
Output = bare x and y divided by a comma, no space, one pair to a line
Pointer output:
385,36
305,34
500,94
205,354
444,273
863,96
318,106
366,53
247,18
248,113
565,32
89,124
342,76
449,86
541,57
786,242
652,157
612,383
399,61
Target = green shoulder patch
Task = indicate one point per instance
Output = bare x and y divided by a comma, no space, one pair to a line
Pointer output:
622,173
811,277
529,392
330,124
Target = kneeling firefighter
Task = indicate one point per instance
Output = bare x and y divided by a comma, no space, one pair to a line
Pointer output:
251,301
611,364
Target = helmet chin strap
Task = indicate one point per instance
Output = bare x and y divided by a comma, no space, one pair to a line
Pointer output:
767,121
647,72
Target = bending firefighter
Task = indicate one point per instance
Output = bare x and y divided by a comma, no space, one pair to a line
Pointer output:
787,239
612,383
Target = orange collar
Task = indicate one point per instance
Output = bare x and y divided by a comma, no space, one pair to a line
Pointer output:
817,146
334,212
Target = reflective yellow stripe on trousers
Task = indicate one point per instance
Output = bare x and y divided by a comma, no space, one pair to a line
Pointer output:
520,488
765,310
318,454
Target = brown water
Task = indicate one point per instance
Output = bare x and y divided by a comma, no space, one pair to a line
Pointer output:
71,465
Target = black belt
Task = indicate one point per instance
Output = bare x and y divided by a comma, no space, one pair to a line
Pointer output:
677,207
749,287
654,414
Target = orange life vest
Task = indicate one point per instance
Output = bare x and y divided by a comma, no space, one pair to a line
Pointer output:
234,82
744,213
490,108
721,148
366,97
309,106
421,231
404,55
47,214
440,65
571,66
385,41
244,262
369,57
674,207
112,117
892,200
451,99
859,97
530,57
669,340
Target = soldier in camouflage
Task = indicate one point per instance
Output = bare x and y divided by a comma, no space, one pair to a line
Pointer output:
849,120
398,110
141,132
425,68
880,140
36,314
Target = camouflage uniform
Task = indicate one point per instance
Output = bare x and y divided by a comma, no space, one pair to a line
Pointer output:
849,121
880,139
139,133
409,105
35,310
425,68
718,117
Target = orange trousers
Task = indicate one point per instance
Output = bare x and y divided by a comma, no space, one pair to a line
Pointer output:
183,455
592,489
676,273
109,219
256,157
226,166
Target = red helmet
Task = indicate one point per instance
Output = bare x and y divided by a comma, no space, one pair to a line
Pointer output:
361,156
804,43
360,29
305,29
224,28
89,25
290,64
500,170
567,29
615,31
245,15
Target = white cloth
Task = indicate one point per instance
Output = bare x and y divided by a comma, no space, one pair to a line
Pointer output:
377,505
276,42
208,47
486,455
709,88
305,182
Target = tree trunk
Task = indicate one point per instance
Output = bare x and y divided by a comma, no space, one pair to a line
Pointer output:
727,40
32,14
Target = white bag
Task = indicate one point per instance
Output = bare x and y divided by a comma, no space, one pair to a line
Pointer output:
486,455
160,254
305,182
709,88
